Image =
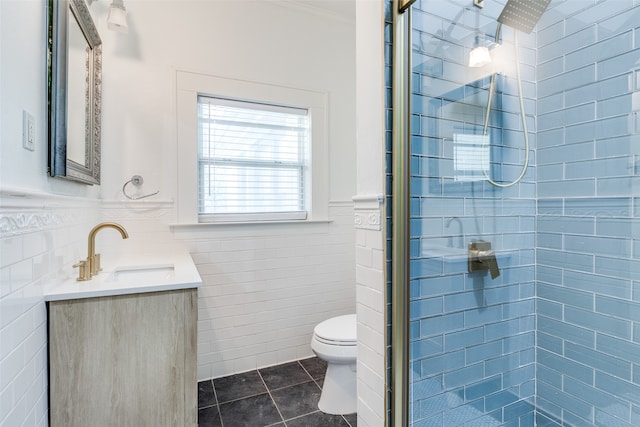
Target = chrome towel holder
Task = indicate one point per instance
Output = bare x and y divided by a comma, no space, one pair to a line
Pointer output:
136,180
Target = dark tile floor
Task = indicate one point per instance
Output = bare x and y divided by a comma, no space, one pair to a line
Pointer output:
280,396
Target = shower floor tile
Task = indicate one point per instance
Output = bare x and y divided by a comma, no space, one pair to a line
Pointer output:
278,396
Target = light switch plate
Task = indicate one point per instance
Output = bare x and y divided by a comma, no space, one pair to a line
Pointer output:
28,131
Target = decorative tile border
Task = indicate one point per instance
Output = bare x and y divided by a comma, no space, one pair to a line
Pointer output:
23,212
367,211
13,224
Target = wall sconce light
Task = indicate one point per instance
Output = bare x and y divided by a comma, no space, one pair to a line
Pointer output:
117,19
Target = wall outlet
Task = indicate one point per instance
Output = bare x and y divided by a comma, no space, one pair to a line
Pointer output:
28,131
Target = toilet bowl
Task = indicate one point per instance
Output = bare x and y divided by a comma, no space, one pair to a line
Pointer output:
335,341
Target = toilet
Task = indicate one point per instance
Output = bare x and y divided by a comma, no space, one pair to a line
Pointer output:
335,342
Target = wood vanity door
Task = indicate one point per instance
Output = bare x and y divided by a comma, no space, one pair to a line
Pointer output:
127,360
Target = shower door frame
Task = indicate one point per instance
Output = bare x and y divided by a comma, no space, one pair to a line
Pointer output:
401,152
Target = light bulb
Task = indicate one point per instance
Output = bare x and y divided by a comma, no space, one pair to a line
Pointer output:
479,56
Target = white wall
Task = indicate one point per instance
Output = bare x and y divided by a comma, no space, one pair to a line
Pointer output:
23,87
370,213
260,41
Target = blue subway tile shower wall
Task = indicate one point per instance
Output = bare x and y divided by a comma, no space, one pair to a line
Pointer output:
555,339
588,351
472,337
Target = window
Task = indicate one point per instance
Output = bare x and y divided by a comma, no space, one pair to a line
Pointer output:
470,156
252,160
250,151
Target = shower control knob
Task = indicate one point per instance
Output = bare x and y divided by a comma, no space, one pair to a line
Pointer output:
482,258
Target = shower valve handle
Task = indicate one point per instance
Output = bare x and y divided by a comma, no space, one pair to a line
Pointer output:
482,258
492,264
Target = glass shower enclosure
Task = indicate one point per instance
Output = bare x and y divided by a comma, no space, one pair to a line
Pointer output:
516,260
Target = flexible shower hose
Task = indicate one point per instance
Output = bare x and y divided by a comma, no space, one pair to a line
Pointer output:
522,115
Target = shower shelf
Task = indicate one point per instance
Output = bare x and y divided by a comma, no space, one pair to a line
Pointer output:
450,254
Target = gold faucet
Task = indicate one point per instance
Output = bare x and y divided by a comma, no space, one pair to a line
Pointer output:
91,266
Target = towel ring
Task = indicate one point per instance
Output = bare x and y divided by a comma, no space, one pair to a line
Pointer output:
137,181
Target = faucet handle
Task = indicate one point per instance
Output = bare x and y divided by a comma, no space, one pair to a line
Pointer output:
482,258
491,263
95,265
83,273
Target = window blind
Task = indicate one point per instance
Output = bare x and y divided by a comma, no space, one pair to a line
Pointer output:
470,156
252,160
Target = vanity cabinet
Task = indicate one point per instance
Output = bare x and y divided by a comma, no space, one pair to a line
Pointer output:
124,360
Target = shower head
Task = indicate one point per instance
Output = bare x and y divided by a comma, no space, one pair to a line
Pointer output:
523,15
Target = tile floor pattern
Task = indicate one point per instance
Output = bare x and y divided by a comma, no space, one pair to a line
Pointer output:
280,396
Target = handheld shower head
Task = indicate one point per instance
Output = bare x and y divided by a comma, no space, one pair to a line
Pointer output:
523,15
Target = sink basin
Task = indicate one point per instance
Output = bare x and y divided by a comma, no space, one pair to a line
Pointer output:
142,273
164,269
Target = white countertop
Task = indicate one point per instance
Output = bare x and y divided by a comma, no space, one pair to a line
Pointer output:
131,274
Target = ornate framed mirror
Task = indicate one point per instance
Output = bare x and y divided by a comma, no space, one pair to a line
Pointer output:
74,92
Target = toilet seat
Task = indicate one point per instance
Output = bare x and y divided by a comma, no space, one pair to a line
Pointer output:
336,343
339,331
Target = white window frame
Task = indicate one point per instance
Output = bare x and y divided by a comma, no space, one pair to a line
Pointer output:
189,85
299,165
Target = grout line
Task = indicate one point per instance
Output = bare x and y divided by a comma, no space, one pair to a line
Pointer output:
292,384
271,397
304,415
346,421
240,398
215,394
220,417
311,376
307,372
243,397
